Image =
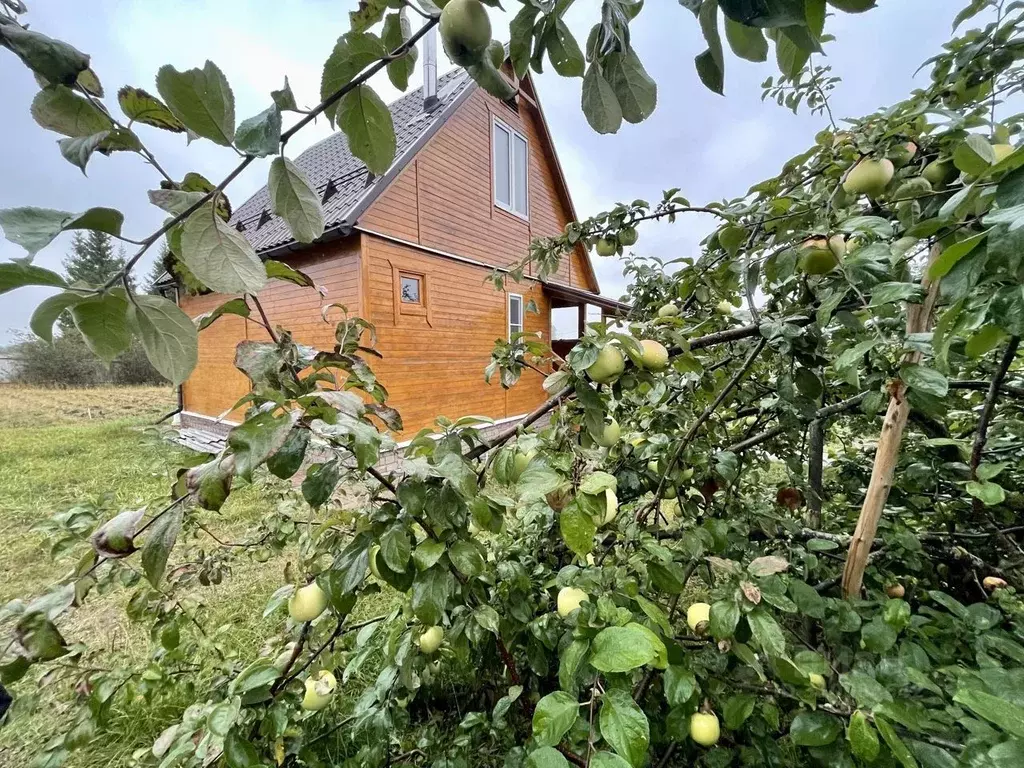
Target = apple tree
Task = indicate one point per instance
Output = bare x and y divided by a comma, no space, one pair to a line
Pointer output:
773,520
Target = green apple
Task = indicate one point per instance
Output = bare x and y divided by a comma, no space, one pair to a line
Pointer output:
852,6
431,639
697,614
308,602
654,356
817,681
608,365
668,310
465,31
724,308
569,599
939,172
704,729
609,435
319,691
816,256
628,236
606,246
1002,151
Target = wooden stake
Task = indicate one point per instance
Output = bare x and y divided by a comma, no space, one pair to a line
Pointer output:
918,321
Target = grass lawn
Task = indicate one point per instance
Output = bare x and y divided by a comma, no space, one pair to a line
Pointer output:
62,447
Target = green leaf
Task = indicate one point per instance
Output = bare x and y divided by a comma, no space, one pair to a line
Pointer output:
293,198
352,564
621,649
877,636
277,270
680,684
862,737
467,558
546,757
989,493
600,105
624,726
973,155
140,106
287,459
737,709
725,616
459,475
201,99
211,482
48,311
430,593
925,379
553,718
239,752
746,42
488,618
366,122
35,228
710,64
256,439
563,50
115,538
984,340
790,55
607,760
260,135
537,481
895,744
218,255
636,92
103,323
767,565
427,553
767,632
807,599
17,275
949,257
814,729
79,150
59,109
570,661
353,52
759,13
578,529
168,336
491,80
284,98
887,293
397,30
369,13
53,60
868,692
396,548
230,307
161,536
320,482
521,38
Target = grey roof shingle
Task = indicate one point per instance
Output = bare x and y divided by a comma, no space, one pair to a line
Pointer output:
329,162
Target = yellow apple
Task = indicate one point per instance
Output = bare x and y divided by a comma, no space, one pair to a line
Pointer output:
697,614
895,591
704,729
611,505
724,308
608,365
569,599
655,356
307,603
817,681
431,639
992,583
869,177
1002,151
319,691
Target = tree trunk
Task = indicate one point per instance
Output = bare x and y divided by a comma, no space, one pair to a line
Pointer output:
918,321
815,449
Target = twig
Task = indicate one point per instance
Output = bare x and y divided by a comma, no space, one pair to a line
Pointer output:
986,413
266,320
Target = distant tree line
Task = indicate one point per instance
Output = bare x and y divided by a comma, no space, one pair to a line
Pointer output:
68,361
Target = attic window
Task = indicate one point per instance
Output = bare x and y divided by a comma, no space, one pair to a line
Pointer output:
329,191
411,285
511,170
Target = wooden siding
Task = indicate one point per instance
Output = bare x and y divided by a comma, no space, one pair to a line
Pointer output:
434,363
444,198
215,385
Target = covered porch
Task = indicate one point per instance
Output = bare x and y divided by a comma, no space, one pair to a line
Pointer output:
572,309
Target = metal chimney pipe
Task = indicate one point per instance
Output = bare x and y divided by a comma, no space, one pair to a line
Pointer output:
430,70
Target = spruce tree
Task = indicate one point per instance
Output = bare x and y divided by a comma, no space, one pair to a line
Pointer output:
93,259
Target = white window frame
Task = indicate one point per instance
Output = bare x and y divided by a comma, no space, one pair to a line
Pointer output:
512,135
522,314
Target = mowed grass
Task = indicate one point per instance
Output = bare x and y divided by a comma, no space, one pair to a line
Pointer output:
62,447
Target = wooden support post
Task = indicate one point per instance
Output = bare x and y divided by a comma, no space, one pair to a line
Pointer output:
918,321
581,325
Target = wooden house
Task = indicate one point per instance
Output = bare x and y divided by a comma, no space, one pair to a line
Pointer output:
473,181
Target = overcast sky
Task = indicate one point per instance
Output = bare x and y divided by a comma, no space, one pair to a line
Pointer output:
709,146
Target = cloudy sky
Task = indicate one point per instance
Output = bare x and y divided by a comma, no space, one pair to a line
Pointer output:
709,146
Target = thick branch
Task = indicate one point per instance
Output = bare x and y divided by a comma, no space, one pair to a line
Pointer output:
887,453
990,404
815,451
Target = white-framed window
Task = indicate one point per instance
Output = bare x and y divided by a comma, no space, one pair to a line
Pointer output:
515,314
511,170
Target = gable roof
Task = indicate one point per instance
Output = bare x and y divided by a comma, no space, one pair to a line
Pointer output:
341,179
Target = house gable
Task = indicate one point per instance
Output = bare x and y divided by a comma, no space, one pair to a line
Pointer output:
443,199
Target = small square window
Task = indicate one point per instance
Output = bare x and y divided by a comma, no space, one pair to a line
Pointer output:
411,290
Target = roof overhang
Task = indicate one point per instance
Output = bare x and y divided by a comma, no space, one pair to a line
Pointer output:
566,296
